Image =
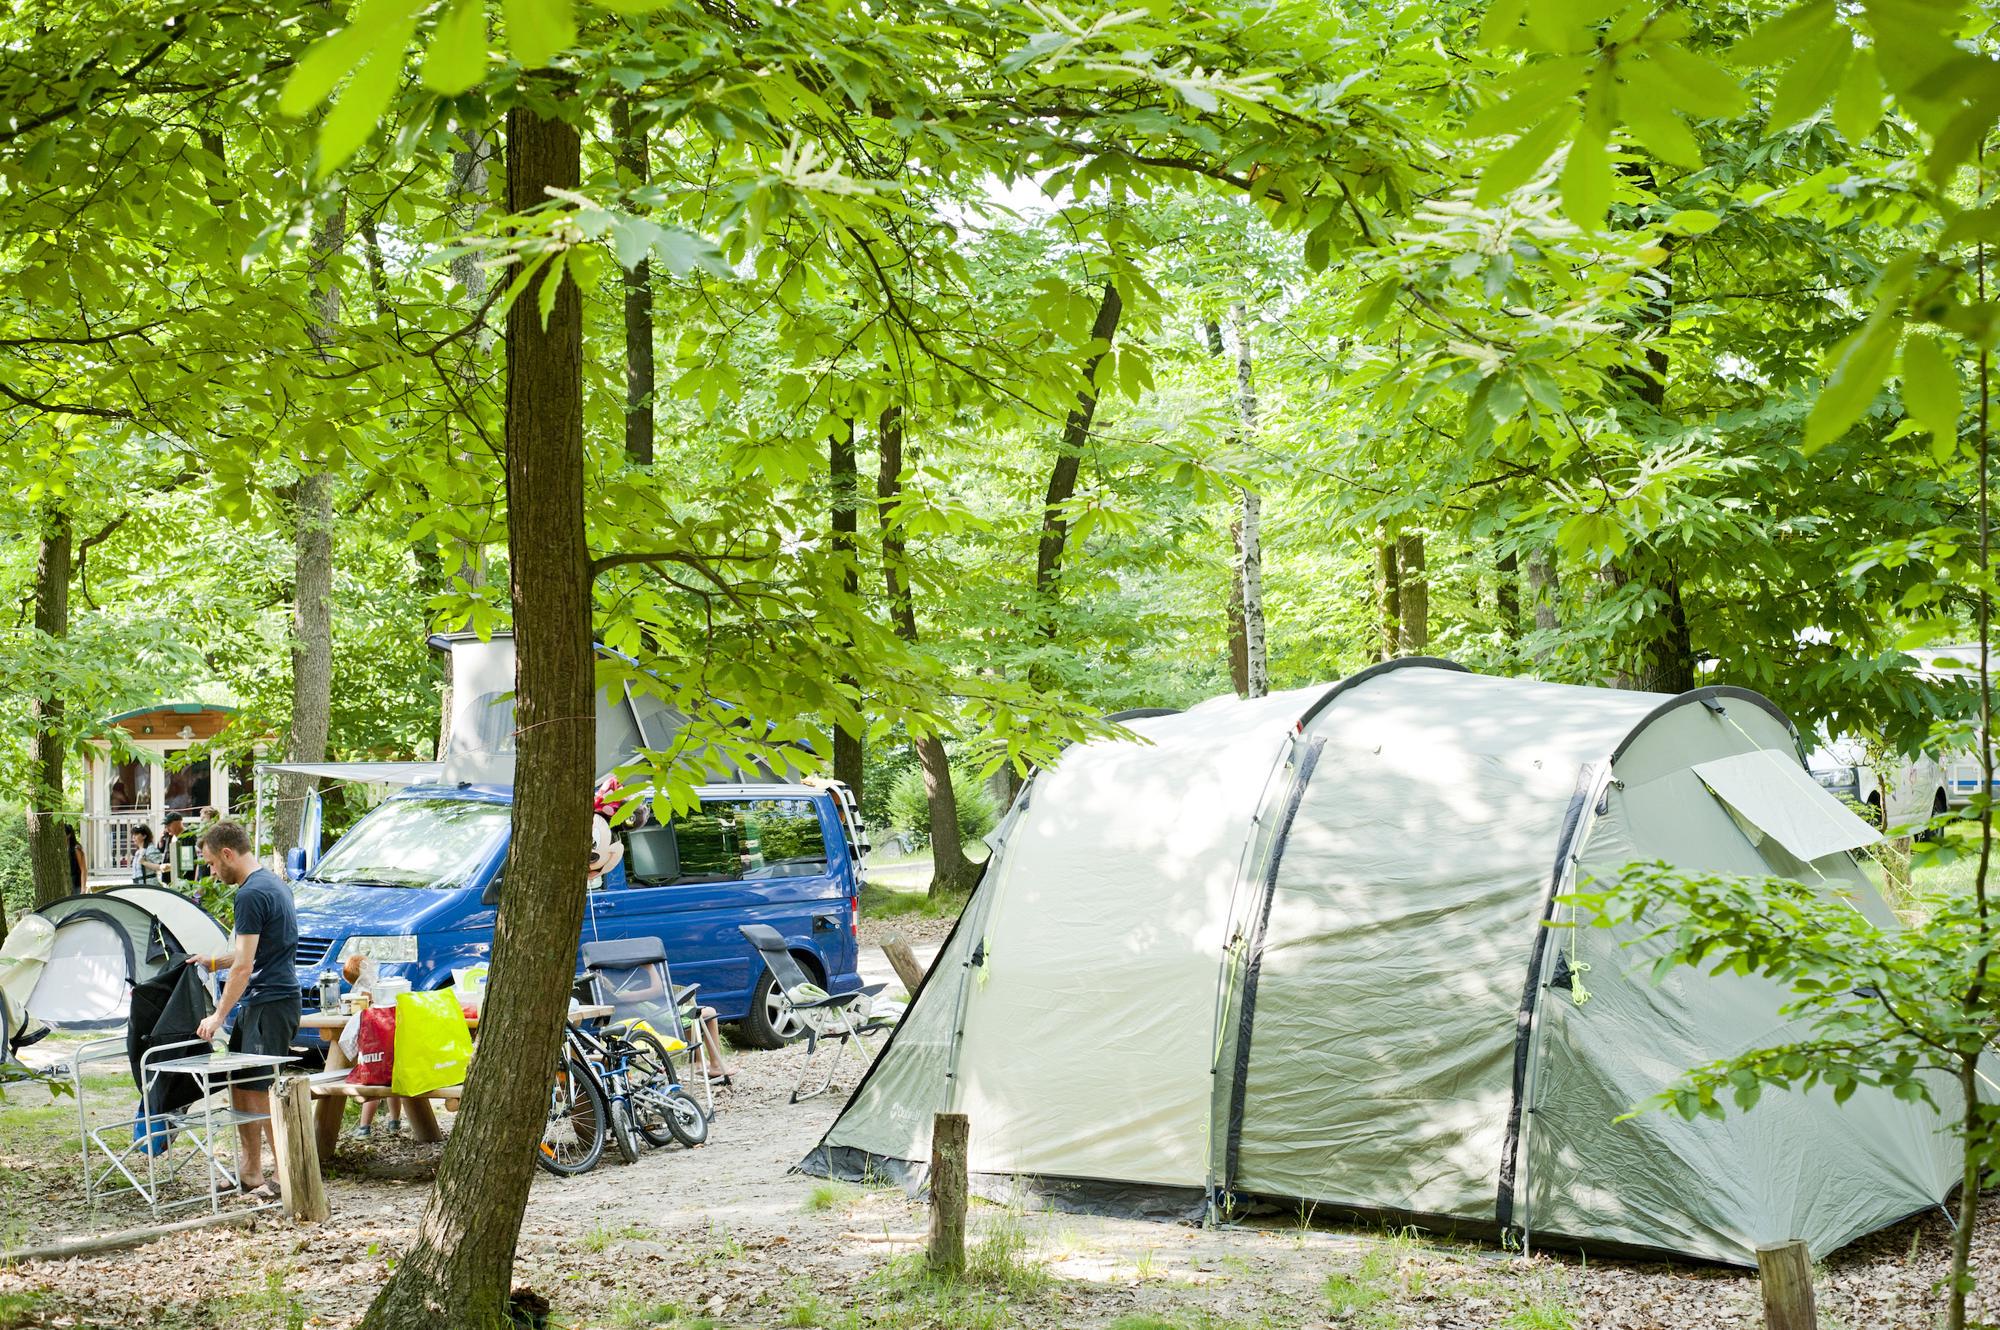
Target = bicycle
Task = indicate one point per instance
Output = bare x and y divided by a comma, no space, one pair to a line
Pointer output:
574,1132
646,1098
617,1087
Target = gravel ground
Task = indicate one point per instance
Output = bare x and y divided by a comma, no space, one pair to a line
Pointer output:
726,1235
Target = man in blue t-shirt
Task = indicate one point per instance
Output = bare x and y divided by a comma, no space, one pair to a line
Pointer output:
262,978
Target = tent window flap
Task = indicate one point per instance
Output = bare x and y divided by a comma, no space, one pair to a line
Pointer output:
1771,795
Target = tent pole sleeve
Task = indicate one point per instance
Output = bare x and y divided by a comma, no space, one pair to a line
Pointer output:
1254,952
1589,788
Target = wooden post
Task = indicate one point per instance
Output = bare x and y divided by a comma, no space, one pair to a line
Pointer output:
292,1130
1786,1270
950,1135
897,948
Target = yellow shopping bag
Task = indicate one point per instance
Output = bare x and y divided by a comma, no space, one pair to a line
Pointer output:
433,1043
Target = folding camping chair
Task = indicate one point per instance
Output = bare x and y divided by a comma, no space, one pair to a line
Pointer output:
633,978
841,1018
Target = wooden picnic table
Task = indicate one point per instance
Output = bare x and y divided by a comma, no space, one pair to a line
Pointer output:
332,1096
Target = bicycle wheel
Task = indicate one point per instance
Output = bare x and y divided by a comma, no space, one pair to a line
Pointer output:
573,1137
649,1072
685,1119
622,1133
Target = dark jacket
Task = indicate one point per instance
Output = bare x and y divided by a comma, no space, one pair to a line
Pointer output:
166,1010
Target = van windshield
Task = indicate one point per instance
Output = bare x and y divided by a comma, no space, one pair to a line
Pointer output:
431,843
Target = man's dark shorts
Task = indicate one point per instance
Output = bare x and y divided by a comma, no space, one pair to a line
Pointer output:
266,1027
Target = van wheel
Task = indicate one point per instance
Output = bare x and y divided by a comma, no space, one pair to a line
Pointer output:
767,1026
1938,808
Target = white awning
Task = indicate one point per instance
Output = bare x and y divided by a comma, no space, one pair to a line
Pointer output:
373,773
1771,795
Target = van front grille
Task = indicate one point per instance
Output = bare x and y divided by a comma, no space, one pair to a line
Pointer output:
311,955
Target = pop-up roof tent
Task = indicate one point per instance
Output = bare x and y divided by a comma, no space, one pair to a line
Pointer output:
104,943
1293,949
480,745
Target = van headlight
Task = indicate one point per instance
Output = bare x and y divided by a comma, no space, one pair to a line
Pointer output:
387,949
1834,777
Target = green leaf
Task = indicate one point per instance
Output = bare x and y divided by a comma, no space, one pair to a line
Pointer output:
1693,221
1696,84
456,60
1659,131
1931,391
1515,166
1811,80
1857,108
537,30
1783,35
684,252
335,56
1978,224
359,108
1859,367
552,280
1496,29
1586,180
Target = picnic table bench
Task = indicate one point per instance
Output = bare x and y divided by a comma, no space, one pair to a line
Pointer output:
331,1096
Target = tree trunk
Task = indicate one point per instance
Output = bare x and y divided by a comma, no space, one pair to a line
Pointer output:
1388,594
1666,654
1507,597
633,165
1413,634
312,572
470,183
845,519
48,846
1968,1194
1239,635
1069,459
1250,566
1543,588
951,871
457,1273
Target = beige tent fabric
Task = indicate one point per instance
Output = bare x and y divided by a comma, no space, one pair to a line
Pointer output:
1087,1031
1773,795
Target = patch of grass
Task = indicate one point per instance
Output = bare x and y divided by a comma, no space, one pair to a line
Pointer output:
272,1307
1541,1313
629,1313
1361,1296
999,1278
880,901
600,1237
832,1196
20,1309
810,1310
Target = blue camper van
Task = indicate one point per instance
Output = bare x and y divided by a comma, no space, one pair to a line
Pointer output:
415,884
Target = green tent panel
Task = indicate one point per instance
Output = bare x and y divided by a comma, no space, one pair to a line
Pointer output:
1294,950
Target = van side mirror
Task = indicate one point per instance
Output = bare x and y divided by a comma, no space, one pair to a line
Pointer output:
295,863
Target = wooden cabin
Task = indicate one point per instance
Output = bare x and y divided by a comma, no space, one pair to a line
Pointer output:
122,792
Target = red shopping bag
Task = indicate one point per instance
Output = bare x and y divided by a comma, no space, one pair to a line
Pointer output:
377,1041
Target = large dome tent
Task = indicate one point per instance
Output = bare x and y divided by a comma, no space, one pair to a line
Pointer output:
1294,949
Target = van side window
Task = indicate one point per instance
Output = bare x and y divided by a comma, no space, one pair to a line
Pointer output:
728,840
